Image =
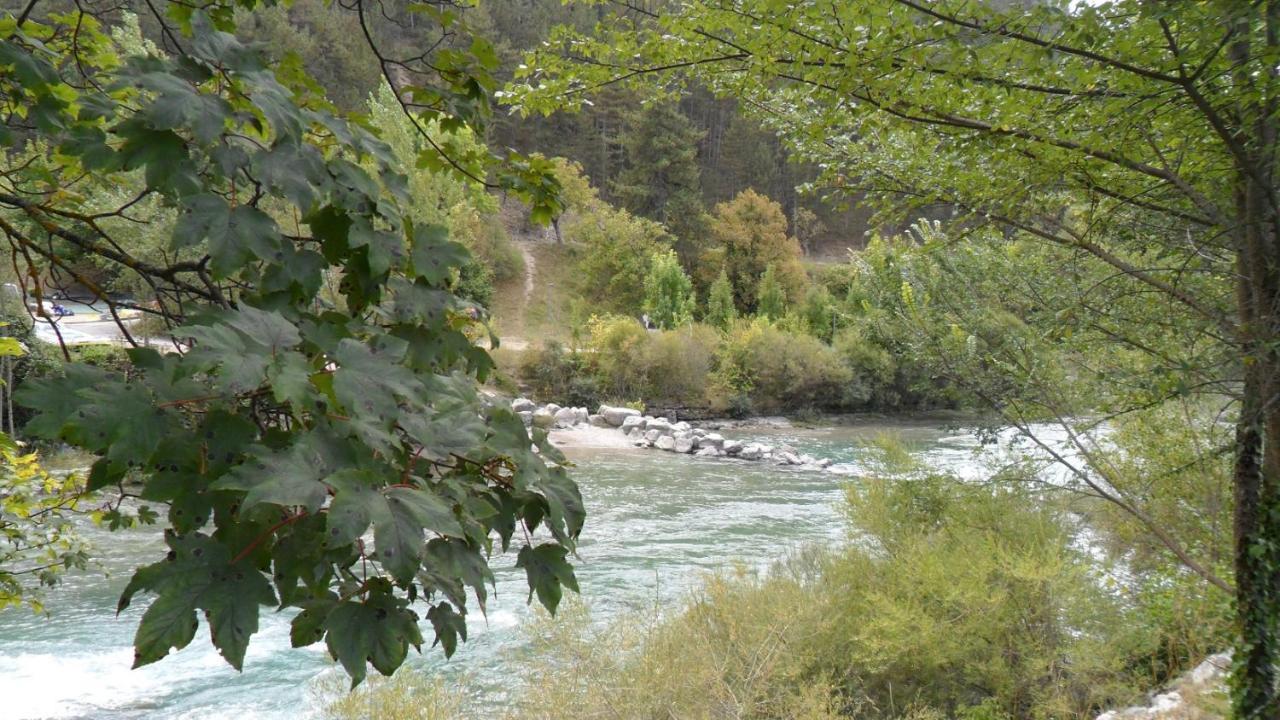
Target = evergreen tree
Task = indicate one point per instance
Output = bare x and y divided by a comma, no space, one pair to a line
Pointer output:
721,312
819,312
662,180
771,298
668,292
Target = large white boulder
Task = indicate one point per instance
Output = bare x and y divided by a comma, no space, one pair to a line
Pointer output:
684,443
632,421
543,418
566,417
599,421
521,405
752,451
715,440
652,435
1166,702
526,416
731,447
1214,668
665,442
708,451
788,458
659,424
551,408
616,415
682,426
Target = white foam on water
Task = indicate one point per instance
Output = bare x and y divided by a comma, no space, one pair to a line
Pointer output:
44,685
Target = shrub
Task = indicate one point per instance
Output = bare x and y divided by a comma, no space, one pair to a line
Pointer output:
553,373
407,695
972,598
618,345
778,370
488,241
616,249
728,654
108,357
872,369
954,600
475,283
819,313
678,364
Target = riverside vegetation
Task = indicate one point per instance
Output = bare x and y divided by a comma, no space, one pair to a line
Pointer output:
1060,215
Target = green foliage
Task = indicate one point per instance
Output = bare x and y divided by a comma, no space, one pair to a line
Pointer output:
668,293
661,180
325,40
553,372
617,343
38,540
663,367
952,599
1043,140
678,365
771,298
721,311
873,368
409,695
730,651
442,197
615,249
819,313
326,381
107,357
777,370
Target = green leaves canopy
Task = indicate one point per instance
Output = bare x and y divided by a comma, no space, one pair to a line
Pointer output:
323,385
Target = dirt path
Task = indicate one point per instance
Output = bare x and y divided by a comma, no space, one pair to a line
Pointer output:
526,239
530,273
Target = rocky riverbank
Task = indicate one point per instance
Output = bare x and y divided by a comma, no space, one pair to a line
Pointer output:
1200,694
631,427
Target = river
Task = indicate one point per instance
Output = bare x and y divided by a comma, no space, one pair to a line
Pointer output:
657,522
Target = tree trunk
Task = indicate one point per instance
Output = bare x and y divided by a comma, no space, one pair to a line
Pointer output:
1257,466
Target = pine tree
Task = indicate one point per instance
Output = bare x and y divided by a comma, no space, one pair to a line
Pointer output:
820,313
771,298
721,312
662,180
668,292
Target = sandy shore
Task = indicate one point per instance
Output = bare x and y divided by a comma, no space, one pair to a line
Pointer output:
588,436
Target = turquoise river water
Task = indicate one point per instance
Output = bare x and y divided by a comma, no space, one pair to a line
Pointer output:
657,523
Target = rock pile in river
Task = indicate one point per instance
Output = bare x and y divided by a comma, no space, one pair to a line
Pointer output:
658,432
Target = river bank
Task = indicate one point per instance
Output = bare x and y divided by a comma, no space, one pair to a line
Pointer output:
730,439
